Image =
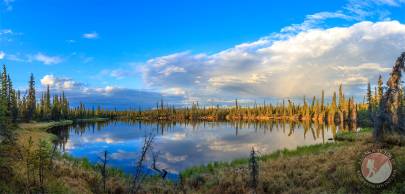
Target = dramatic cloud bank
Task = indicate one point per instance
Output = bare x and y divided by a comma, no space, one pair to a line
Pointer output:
283,65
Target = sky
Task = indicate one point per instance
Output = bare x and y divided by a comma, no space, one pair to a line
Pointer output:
133,53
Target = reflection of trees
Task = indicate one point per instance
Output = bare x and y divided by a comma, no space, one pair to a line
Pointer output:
306,126
292,130
312,130
322,128
62,132
333,130
317,129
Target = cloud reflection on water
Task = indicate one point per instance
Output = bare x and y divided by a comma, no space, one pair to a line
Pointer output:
185,145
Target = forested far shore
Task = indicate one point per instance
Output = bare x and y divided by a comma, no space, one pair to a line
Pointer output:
17,106
341,109
24,106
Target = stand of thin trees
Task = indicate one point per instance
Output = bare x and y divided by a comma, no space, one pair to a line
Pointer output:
341,109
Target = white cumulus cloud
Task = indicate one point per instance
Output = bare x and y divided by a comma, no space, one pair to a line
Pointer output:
106,90
2,54
59,83
296,65
46,59
92,35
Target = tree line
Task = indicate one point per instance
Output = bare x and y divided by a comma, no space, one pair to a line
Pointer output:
339,109
17,106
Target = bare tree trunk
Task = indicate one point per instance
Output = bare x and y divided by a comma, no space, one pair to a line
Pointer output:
139,175
103,169
162,172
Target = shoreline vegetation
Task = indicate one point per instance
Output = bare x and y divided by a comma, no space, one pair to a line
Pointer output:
63,173
328,167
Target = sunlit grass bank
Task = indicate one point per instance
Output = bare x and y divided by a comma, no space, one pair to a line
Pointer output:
353,136
321,168
44,125
299,151
37,131
97,119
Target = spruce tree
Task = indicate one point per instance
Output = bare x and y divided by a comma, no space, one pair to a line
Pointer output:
341,98
380,90
369,101
31,100
12,102
47,104
332,112
4,109
323,101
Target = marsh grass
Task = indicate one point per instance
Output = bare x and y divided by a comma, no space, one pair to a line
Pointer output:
321,168
363,133
299,151
44,125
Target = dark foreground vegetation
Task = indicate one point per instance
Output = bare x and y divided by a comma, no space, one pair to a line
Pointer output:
30,163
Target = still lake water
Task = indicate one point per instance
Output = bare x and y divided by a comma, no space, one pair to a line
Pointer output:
183,145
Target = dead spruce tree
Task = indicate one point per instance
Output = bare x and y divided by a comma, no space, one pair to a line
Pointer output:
162,172
389,117
254,169
139,175
103,168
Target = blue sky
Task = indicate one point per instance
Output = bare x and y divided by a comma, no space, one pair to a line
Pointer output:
210,51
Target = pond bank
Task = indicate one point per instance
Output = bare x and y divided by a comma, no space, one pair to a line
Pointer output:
38,131
92,120
44,125
65,175
316,168
322,168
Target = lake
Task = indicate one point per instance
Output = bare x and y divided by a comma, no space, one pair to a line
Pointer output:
183,145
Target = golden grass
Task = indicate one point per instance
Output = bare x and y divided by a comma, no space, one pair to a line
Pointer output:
43,125
327,168
331,170
66,175
37,131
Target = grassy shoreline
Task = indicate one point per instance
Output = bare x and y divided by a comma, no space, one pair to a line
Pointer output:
92,119
65,175
342,139
299,151
315,168
44,125
37,131
319,168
